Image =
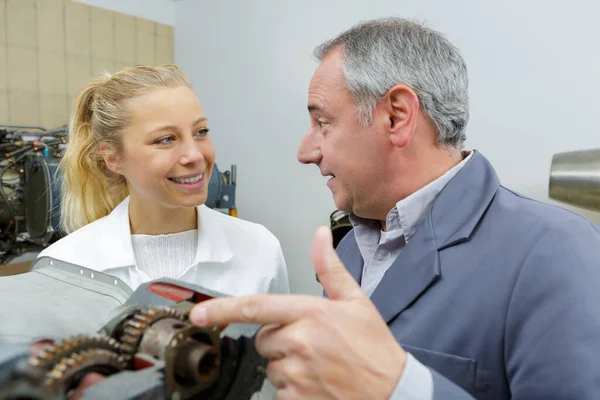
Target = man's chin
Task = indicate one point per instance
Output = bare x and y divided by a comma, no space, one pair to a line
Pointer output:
342,205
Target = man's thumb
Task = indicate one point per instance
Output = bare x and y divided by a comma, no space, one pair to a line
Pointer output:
336,280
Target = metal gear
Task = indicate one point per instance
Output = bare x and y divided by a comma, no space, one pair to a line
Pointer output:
52,354
132,329
66,374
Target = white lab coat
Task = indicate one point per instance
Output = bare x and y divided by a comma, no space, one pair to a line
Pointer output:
234,257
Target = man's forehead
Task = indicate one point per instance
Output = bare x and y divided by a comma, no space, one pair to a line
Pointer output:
328,80
330,70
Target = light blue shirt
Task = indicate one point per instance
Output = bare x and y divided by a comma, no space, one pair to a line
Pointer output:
380,249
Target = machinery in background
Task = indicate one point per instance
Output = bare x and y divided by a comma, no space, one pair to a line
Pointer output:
340,225
221,190
143,345
29,187
575,178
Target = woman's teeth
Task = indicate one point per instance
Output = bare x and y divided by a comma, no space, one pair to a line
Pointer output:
188,180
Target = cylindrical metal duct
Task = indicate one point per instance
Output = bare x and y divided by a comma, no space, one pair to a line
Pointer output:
575,178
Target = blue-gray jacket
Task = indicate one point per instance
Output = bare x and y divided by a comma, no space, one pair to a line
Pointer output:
496,293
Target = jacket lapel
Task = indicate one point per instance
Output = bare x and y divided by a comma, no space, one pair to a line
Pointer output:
349,253
451,220
415,269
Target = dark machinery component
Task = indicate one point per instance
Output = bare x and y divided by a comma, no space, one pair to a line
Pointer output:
42,197
142,352
575,178
29,188
221,188
340,225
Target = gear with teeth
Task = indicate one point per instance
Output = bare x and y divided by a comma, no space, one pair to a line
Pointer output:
132,329
66,374
52,354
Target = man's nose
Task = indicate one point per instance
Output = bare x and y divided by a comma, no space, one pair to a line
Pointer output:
309,151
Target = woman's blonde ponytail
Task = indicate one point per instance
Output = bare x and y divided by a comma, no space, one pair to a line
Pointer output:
89,190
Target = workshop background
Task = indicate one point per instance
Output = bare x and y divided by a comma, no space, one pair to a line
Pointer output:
532,65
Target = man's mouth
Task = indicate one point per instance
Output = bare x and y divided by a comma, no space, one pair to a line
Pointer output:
188,179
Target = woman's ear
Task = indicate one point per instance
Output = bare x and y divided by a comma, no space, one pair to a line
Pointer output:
111,159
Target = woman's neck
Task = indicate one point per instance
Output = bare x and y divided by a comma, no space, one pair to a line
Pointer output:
159,220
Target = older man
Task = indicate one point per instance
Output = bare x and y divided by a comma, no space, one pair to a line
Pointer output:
487,294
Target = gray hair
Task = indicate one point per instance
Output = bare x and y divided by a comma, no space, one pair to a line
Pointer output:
381,53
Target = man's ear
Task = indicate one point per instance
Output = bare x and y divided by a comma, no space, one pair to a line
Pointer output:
111,159
401,109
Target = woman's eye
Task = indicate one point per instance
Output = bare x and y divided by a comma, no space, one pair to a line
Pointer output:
165,140
202,132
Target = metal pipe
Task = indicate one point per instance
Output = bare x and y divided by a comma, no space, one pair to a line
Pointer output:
233,174
17,152
575,178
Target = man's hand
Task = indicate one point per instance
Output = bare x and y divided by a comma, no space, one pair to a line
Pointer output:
318,348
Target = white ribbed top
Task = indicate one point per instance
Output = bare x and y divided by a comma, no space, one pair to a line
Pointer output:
165,255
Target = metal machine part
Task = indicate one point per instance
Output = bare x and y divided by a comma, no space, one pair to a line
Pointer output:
191,355
221,188
131,330
146,348
340,225
64,377
53,353
193,363
575,178
42,197
29,190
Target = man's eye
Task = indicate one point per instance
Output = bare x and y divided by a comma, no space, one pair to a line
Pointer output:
203,132
321,123
165,140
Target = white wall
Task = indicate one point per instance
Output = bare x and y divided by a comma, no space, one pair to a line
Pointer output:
535,76
162,11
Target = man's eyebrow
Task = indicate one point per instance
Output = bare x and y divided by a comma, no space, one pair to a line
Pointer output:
314,108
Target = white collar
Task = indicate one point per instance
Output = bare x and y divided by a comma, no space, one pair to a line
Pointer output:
212,240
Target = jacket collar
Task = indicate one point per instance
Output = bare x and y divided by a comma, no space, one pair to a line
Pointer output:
451,220
212,240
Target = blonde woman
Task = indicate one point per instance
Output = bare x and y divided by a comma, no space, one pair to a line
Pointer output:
135,177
